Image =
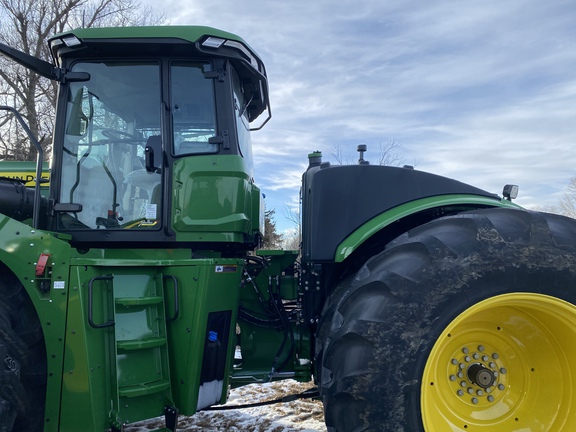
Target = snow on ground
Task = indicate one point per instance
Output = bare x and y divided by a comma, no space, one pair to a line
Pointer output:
301,415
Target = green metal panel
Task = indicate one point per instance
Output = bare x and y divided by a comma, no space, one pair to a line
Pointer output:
371,227
213,199
20,249
87,368
209,285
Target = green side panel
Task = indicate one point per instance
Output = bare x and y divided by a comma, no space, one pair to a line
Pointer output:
188,33
20,250
371,227
206,286
87,373
213,200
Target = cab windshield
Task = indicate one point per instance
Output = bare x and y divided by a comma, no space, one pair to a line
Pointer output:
113,146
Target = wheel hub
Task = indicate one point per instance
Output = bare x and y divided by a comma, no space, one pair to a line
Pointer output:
476,376
481,376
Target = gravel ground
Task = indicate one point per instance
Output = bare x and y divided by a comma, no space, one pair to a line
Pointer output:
301,415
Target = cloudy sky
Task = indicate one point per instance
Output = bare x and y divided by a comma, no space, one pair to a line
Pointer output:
480,91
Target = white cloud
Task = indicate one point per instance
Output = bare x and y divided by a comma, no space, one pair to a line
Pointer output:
481,91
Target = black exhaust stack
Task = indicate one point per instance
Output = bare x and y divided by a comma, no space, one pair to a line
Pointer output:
17,200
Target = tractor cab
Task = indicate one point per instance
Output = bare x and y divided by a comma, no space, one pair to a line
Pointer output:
152,138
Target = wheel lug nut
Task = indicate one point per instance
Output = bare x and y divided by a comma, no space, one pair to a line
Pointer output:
474,401
467,359
479,392
485,358
501,387
470,390
460,393
490,398
503,371
476,356
452,377
480,348
465,350
492,365
495,356
454,361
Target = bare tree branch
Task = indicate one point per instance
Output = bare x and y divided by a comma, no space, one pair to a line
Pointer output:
388,154
337,154
292,215
566,206
26,25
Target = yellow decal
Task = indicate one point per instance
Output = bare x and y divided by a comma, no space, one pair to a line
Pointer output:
27,177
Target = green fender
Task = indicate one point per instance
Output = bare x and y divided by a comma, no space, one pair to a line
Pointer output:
374,225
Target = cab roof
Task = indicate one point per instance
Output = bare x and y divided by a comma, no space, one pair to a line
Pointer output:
188,33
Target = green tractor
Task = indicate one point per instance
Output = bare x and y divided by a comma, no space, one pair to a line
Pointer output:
130,289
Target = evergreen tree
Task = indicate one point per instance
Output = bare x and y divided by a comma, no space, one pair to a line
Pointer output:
272,240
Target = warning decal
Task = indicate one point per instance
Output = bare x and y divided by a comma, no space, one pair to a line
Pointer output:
59,284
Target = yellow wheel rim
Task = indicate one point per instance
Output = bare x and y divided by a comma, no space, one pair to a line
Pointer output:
504,364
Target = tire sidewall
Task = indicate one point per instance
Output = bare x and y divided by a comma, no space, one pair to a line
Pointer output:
422,282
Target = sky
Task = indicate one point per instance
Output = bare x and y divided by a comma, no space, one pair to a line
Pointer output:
480,91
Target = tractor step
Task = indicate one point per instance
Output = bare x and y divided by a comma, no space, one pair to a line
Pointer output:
143,389
129,345
140,346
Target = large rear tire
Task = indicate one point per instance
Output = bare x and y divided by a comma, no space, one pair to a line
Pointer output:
467,323
23,359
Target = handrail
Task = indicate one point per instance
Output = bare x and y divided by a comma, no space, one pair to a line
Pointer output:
108,323
39,159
